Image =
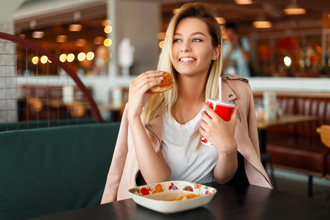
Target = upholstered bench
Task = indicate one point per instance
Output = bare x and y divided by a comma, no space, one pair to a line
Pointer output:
298,147
302,154
48,170
21,125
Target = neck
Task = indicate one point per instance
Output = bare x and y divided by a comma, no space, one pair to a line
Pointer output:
191,89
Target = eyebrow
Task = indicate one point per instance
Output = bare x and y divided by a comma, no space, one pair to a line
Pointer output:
195,33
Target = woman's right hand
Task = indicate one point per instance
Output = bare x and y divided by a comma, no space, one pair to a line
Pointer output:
138,95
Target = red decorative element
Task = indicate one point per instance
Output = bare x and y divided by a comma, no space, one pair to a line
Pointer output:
54,59
172,187
197,186
145,191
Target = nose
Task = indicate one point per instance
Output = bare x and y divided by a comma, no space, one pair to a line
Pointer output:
185,48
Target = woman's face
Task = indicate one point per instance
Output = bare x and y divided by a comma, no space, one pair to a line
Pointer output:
192,48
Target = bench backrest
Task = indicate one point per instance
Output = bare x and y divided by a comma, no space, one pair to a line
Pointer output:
44,123
50,170
318,105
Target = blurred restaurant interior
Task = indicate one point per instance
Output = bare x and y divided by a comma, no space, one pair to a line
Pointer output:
107,43
89,26
86,34
290,50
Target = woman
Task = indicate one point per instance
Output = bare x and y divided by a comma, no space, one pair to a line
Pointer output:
159,138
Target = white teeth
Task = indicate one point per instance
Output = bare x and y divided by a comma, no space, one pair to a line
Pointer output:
186,59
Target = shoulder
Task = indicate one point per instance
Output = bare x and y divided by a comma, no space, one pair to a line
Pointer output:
239,84
235,78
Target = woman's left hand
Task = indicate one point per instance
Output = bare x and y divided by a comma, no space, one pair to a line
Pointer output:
218,131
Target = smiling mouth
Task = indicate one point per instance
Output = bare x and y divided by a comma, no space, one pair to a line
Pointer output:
187,59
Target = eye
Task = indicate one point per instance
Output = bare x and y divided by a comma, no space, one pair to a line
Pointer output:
197,40
177,40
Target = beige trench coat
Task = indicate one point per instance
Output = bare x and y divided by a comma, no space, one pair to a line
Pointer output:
124,166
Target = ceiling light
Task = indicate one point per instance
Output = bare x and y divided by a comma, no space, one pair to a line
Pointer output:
107,29
106,22
294,9
70,57
90,55
75,27
35,60
243,2
98,40
81,56
107,42
61,38
161,35
161,44
38,34
287,61
220,20
261,22
81,42
43,59
63,58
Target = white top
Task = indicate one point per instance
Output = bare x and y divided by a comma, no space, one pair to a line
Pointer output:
179,151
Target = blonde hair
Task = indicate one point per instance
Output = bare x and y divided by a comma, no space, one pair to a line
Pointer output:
165,101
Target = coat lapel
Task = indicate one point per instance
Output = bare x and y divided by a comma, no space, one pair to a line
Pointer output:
227,93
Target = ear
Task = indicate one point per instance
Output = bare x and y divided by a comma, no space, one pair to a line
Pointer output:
216,52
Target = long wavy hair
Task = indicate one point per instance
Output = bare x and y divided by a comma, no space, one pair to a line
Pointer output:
165,101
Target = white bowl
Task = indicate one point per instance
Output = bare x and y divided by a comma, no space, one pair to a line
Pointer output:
153,196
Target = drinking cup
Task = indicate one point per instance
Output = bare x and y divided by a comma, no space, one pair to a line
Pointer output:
223,108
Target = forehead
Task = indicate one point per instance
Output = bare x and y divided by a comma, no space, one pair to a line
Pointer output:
191,25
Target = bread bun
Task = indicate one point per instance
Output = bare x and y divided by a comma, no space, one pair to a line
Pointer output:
166,84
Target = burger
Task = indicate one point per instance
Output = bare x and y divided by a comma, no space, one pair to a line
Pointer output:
166,84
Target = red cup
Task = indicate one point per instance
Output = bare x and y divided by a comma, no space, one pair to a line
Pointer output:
223,108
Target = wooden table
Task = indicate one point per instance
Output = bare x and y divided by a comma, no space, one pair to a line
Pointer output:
230,202
262,135
283,120
286,119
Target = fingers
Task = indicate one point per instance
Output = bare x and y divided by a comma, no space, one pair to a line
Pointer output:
209,113
147,80
150,76
210,117
203,127
233,118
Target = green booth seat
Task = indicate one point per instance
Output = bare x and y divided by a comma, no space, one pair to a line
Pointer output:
45,123
49,170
